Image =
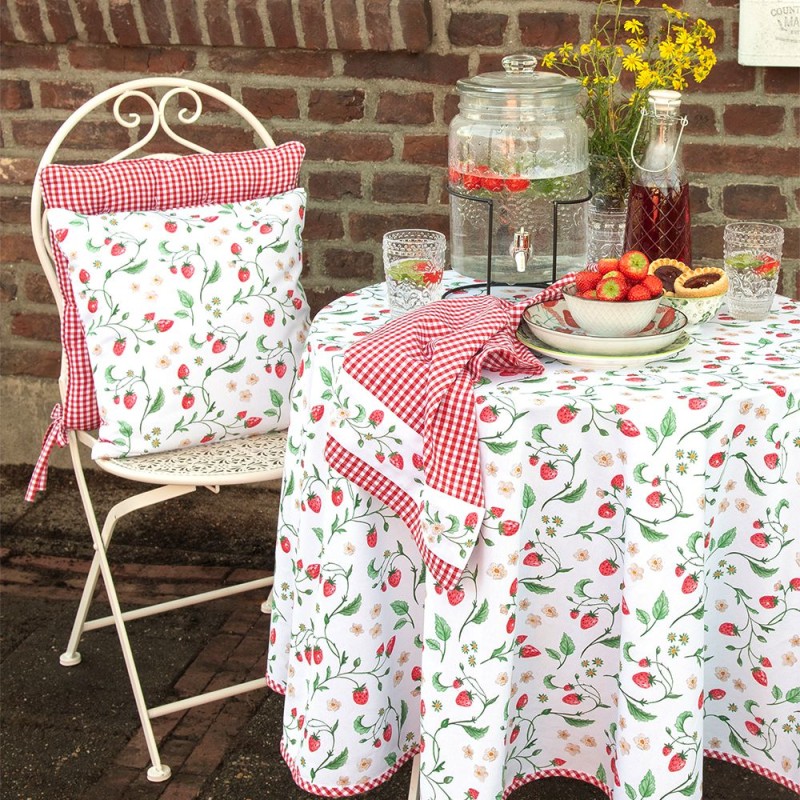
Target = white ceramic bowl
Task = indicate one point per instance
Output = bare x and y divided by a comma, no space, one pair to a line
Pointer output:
605,318
697,309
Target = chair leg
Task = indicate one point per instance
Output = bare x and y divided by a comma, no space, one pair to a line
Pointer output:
266,606
413,788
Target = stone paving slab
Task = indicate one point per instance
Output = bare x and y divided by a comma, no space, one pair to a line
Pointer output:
72,733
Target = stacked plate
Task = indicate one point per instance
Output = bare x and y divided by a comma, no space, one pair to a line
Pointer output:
549,329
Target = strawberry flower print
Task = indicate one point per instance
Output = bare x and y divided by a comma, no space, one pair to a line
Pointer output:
630,602
183,350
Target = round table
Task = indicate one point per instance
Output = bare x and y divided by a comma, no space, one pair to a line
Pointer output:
633,602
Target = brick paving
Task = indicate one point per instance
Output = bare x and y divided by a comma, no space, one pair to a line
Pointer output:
73,733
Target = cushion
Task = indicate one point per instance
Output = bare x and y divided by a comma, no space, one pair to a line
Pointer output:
147,184
194,319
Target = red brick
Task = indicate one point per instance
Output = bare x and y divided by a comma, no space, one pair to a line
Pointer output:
741,159
743,201
343,263
144,60
336,106
29,14
451,103
6,25
323,225
41,327
44,364
16,209
698,199
426,67
707,242
92,18
22,170
281,22
753,120
98,135
64,94
334,186
315,31
59,15
415,22
269,62
15,95
378,21
21,56
123,23
425,149
405,109
729,76
702,119
336,146
547,29
371,227
251,28
37,289
345,24
471,29
219,24
187,22
156,21
782,80
16,247
400,187
8,285
266,103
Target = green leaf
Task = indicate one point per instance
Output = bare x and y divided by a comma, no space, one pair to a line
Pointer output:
475,733
579,586
403,712
359,726
639,713
187,301
651,534
661,606
652,434
437,683
688,791
647,787
400,607
682,717
630,791
235,366
736,744
352,607
566,646
793,695
548,682
637,473
216,273
536,587
578,722
668,427
280,247
601,774
125,429
501,448
483,613
726,540
762,572
135,269
443,630
642,616
710,430
276,398
574,495
326,376
752,484
610,641
390,759
537,432
528,497
337,762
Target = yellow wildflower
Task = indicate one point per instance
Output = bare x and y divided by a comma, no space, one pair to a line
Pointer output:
633,26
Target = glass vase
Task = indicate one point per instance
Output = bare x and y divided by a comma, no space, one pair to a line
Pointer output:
607,215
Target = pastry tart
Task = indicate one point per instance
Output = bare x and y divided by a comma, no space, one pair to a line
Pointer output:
701,282
668,270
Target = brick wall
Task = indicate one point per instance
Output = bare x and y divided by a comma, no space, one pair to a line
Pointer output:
368,85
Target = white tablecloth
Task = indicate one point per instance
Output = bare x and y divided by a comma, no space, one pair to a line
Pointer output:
633,601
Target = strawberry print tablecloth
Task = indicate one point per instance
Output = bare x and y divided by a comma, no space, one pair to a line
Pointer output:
632,604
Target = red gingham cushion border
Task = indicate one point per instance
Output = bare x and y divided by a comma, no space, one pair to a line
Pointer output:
759,770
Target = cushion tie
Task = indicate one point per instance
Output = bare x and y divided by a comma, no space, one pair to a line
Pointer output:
56,434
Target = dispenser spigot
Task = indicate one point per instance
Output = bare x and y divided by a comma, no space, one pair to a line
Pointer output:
520,248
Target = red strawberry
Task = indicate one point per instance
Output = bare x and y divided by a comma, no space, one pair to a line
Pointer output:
375,418
361,696
170,226
129,400
329,587
689,584
187,270
618,482
285,546
611,289
117,249
396,460
679,570
716,460
387,733
243,274
794,584
187,401
627,428
61,234
522,702
779,390
269,318
394,578
752,728
92,305
164,325
586,280
607,511
218,346
653,285
529,651
416,673
314,503
511,624
771,460
621,409
768,601
696,403
716,694
548,471
643,679
637,293
509,527
488,414
313,742
317,655
280,369
514,733
608,567
765,662
574,613
236,249
759,676
464,698
566,414
655,499
606,265
677,762
317,412
515,183
760,540
265,228
372,537
416,460
588,620
337,495
119,347
667,749
183,371
533,559
471,520
492,182
728,629
455,595
634,264
572,699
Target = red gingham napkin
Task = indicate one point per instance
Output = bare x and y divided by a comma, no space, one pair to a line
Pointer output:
414,379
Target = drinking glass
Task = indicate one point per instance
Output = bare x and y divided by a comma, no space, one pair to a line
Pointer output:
413,260
752,253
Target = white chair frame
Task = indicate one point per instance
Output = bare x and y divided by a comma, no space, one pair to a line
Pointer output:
242,461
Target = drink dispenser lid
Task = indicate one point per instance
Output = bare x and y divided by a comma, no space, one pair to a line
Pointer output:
664,101
521,80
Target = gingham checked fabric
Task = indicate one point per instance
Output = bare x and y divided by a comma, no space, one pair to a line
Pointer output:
418,372
144,184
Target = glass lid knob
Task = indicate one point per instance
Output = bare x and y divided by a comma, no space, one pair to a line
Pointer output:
520,64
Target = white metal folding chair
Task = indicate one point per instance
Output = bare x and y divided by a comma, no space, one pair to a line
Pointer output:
177,472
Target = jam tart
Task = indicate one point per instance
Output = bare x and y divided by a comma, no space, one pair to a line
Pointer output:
668,270
701,282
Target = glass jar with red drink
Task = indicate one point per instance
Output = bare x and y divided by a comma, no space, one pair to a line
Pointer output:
659,221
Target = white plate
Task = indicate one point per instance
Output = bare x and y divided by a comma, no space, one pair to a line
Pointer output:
599,359
553,325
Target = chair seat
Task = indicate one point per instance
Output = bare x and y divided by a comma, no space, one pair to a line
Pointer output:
234,461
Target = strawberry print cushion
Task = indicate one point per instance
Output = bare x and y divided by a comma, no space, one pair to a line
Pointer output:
193,318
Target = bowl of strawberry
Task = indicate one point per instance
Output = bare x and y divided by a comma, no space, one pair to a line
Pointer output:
616,298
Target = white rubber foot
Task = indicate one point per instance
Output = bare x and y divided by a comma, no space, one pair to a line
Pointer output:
69,659
266,607
159,774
